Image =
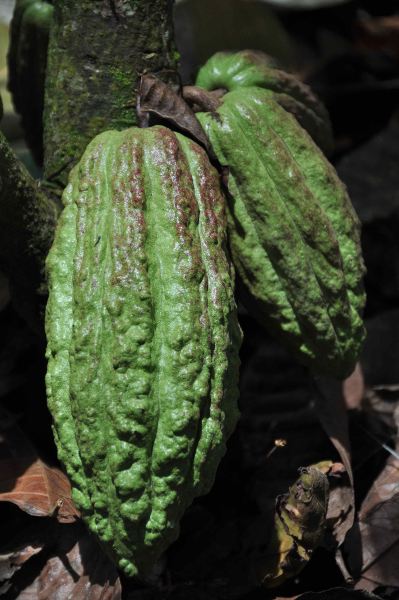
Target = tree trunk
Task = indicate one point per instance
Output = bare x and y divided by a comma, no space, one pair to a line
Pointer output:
27,223
97,53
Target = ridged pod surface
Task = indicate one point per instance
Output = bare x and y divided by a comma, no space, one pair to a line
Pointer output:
142,337
294,236
249,68
27,59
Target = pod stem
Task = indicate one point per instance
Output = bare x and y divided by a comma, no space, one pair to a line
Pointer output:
202,100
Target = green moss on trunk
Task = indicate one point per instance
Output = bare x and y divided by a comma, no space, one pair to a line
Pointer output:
27,223
98,50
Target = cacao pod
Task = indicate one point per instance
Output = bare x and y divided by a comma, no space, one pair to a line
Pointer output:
142,337
294,236
27,59
249,68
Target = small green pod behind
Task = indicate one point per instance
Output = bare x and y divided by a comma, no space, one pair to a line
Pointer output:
27,59
293,234
253,68
143,337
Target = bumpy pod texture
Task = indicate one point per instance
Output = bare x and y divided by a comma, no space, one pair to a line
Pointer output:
249,68
142,337
293,233
27,59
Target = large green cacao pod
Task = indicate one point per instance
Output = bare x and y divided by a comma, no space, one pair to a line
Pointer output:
142,337
249,68
27,59
293,233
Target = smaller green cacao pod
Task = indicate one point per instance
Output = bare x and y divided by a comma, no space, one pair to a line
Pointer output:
293,234
249,68
27,59
143,337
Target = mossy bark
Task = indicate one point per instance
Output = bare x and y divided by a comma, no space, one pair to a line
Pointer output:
27,223
98,50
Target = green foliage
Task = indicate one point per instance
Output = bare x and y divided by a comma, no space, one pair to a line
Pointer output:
142,337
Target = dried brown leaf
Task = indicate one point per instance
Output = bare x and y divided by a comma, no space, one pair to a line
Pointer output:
331,411
75,567
25,539
354,389
157,99
340,508
37,489
340,496
25,480
11,562
377,536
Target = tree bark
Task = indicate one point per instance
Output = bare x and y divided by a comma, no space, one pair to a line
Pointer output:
98,50
27,223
